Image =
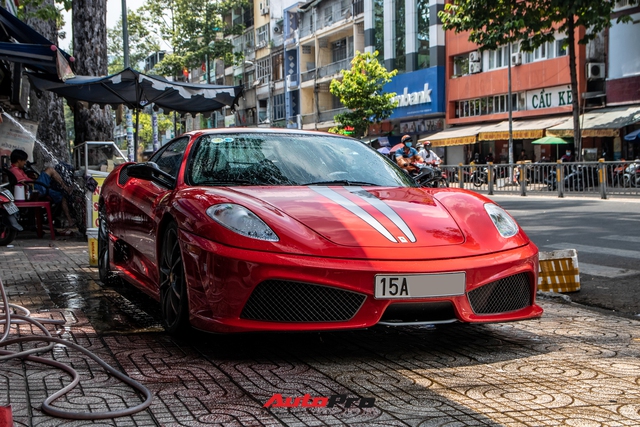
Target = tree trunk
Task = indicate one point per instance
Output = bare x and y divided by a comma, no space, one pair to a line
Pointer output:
575,101
90,51
48,109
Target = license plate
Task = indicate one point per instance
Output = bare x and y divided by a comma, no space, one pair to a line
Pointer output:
388,286
11,208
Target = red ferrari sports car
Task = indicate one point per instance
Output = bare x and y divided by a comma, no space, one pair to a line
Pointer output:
236,230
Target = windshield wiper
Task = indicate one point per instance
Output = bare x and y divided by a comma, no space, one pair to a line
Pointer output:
340,182
229,182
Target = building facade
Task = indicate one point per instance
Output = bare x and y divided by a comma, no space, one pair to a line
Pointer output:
541,103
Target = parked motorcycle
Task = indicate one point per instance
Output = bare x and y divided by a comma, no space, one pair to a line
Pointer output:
9,225
480,176
574,179
631,177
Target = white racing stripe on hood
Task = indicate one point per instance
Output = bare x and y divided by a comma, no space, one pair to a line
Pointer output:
384,209
354,209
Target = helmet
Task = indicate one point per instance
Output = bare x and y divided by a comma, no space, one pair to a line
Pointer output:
405,139
427,144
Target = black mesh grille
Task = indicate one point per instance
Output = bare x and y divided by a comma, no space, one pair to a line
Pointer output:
281,301
124,176
419,312
504,295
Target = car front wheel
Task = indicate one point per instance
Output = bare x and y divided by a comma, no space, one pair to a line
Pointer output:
104,270
173,286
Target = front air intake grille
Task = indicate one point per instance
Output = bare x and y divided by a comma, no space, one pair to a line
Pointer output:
504,295
124,176
282,301
420,312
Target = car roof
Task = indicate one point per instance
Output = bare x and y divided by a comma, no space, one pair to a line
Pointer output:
265,130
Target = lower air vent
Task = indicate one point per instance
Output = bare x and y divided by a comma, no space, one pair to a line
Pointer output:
123,178
281,301
419,312
509,294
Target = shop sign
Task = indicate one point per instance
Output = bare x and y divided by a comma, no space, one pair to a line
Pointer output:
559,96
418,93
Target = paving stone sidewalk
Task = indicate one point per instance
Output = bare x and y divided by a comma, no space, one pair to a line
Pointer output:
574,366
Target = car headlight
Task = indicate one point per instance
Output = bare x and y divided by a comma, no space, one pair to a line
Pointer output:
242,221
505,225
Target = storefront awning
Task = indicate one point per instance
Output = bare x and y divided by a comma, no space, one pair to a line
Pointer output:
22,44
599,123
520,129
454,136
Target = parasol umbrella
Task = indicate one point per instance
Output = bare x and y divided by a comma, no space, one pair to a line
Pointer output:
396,147
550,140
633,136
135,90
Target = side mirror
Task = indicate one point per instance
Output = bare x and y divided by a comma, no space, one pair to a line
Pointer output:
151,172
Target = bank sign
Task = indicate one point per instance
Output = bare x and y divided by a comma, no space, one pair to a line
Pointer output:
559,96
418,93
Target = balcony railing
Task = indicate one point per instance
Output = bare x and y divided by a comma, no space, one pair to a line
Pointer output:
309,75
358,7
308,118
334,68
328,116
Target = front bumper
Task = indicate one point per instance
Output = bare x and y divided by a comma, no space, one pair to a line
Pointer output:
223,279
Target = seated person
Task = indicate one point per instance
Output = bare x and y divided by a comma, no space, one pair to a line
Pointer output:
43,182
407,155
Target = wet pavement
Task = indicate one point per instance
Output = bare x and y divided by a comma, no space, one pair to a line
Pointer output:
575,366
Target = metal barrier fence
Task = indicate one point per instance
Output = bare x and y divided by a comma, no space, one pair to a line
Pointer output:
604,179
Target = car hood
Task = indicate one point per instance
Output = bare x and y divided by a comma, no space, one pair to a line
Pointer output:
365,216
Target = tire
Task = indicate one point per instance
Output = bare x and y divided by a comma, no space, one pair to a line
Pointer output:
174,303
477,181
107,277
7,233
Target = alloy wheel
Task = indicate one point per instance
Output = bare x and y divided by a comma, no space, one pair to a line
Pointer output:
173,292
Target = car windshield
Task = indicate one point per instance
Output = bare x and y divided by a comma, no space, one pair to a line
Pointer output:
288,159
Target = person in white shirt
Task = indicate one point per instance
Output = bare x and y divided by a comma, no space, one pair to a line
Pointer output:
424,151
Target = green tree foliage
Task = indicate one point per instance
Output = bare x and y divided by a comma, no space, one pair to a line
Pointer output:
495,23
142,42
45,10
196,31
360,90
145,130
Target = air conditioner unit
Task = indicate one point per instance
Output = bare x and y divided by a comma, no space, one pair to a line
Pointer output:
292,81
595,70
474,56
475,67
265,10
516,58
277,29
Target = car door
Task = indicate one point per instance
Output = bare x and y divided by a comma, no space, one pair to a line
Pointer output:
143,201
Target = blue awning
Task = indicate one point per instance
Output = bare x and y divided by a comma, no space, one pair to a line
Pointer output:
22,44
633,136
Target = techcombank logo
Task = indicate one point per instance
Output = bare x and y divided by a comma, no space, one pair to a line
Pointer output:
308,401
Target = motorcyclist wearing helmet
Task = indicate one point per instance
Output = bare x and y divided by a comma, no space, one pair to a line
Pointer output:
429,156
406,155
